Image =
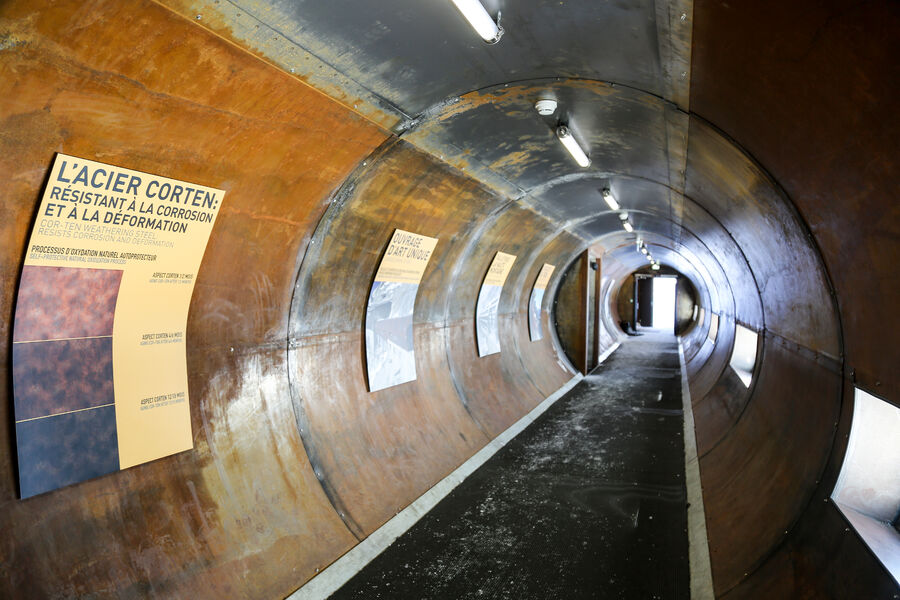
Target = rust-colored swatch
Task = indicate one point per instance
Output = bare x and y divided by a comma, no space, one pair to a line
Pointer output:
56,377
61,302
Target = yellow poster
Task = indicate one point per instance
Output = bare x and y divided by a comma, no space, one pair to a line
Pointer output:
499,270
544,277
487,308
105,288
406,257
390,344
535,302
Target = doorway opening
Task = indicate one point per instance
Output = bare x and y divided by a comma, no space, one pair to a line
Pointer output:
664,302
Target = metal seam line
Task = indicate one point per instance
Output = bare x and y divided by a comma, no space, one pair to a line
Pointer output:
88,337
68,412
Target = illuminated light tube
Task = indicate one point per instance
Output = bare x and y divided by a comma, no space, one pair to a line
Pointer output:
644,250
480,20
565,136
627,226
655,267
611,200
623,215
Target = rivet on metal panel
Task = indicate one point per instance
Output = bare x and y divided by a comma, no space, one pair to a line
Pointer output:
199,17
684,16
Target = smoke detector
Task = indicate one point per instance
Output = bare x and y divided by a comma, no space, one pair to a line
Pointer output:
545,107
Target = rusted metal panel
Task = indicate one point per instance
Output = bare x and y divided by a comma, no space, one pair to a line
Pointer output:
495,389
570,312
833,149
417,54
795,292
821,556
377,452
242,514
718,396
758,480
545,362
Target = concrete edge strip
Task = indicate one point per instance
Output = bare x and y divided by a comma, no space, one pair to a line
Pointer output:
698,543
343,569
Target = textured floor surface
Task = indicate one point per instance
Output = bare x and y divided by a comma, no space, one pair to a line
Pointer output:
587,502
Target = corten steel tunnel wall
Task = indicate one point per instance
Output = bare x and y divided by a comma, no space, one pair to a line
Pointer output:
294,461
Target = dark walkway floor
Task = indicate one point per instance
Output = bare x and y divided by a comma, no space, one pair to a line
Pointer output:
588,502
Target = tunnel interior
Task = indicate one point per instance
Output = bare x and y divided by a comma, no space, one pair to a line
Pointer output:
719,153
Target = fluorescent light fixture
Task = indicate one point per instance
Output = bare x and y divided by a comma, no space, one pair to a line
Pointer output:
655,267
644,250
627,226
480,20
565,136
611,201
623,215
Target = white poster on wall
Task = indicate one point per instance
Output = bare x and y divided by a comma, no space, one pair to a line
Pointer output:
487,327
535,302
390,357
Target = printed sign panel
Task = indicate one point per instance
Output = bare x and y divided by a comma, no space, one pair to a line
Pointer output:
536,300
390,357
487,328
99,366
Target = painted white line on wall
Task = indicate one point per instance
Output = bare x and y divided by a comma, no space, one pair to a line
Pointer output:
339,572
698,544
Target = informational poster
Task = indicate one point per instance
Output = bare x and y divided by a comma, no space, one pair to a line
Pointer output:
487,328
99,365
390,357
536,301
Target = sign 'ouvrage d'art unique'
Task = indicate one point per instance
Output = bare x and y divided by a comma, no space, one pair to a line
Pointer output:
390,356
536,301
487,327
99,364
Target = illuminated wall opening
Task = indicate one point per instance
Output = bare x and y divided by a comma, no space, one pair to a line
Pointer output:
743,357
713,327
868,489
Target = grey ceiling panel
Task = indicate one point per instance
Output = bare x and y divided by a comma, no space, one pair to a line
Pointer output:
416,53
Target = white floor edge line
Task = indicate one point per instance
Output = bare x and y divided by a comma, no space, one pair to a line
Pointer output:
698,544
343,569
